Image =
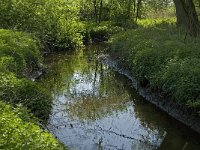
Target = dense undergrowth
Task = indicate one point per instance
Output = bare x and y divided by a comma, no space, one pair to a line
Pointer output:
26,27
163,58
25,92
18,131
54,22
98,32
20,53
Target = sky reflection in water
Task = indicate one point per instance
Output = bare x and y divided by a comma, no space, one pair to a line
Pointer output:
96,108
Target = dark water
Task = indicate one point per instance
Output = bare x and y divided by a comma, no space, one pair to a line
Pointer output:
95,108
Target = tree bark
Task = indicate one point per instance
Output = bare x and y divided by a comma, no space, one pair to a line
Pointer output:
129,5
139,3
134,7
187,16
95,10
100,10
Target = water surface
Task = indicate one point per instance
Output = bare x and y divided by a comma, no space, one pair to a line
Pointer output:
95,108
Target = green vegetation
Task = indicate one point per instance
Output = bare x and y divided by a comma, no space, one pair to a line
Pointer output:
17,133
100,32
162,57
19,52
27,93
54,22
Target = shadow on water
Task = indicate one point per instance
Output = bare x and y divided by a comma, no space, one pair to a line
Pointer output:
97,108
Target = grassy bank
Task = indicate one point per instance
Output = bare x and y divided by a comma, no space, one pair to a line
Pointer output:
163,58
19,54
18,131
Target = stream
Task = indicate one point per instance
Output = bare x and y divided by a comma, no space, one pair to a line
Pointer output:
96,108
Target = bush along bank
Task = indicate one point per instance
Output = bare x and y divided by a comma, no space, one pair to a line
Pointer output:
18,53
101,32
163,59
55,22
18,131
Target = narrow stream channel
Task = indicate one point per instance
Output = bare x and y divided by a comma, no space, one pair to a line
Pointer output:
95,108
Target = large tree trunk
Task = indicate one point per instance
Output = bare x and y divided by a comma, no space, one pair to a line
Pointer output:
187,16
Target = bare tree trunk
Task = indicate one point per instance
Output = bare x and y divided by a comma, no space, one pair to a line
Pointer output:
139,3
129,4
100,10
134,6
95,10
187,16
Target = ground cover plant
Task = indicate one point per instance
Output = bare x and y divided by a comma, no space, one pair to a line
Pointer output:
17,132
19,54
164,58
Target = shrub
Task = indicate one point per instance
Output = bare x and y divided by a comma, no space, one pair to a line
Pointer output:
100,32
161,55
54,22
181,79
159,22
7,64
126,23
27,93
18,51
16,133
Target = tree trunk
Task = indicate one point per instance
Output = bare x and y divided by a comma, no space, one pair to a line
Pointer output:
129,5
187,16
95,10
134,7
100,10
139,3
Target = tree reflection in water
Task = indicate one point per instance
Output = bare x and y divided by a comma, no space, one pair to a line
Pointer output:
96,108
